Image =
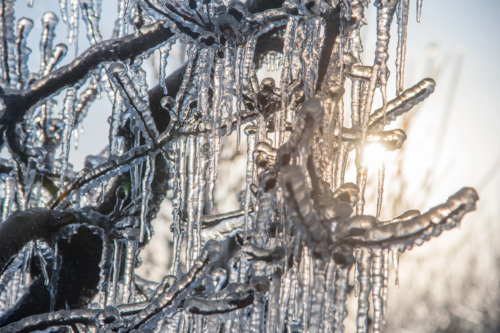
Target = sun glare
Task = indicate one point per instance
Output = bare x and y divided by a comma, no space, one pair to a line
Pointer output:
374,155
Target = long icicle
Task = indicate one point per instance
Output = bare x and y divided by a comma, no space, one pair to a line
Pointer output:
377,279
364,291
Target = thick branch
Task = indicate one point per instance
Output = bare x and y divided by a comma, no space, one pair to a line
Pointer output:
128,47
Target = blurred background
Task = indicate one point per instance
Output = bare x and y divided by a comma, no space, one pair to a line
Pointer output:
450,284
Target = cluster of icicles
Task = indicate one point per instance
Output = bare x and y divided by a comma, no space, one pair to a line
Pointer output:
293,267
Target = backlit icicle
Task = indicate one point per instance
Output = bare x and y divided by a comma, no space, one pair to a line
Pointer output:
228,83
7,40
128,272
203,152
74,21
90,17
341,284
10,191
311,51
49,22
286,73
24,26
116,118
206,58
164,53
133,99
186,80
273,303
362,174
192,199
380,191
385,13
377,279
395,261
113,283
306,269
250,131
419,10
146,194
402,13
329,296
214,139
68,114
364,291
318,297
63,7
385,285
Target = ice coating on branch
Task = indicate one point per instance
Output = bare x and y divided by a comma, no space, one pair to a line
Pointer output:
146,194
132,98
49,22
7,40
68,114
90,17
164,53
24,26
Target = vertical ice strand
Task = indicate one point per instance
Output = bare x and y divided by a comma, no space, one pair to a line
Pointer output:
24,26
377,280
402,14
68,114
49,23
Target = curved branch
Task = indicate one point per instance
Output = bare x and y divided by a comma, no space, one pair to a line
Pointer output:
128,47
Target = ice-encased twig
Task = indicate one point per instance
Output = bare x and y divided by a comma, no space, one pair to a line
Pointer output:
168,301
132,98
24,26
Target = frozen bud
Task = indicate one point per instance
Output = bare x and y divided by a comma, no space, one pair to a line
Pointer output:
221,10
268,84
122,192
167,102
238,10
260,284
347,192
117,68
228,25
111,314
263,97
213,250
207,38
49,20
343,255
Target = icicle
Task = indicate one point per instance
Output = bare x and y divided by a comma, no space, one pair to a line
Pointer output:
341,284
63,6
286,285
186,81
361,182
385,285
216,124
250,131
306,269
419,10
203,151
206,59
146,193
228,84
74,21
105,268
24,26
385,13
395,261
286,72
311,51
59,53
273,314
164,53
178,200
329,297
128,273
192,198
68,114
364,291
113,285
380,192
10,191
43,263
402,13
116,119
238,78
7,39
318,297
54,278
357,256
91,21
377,280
